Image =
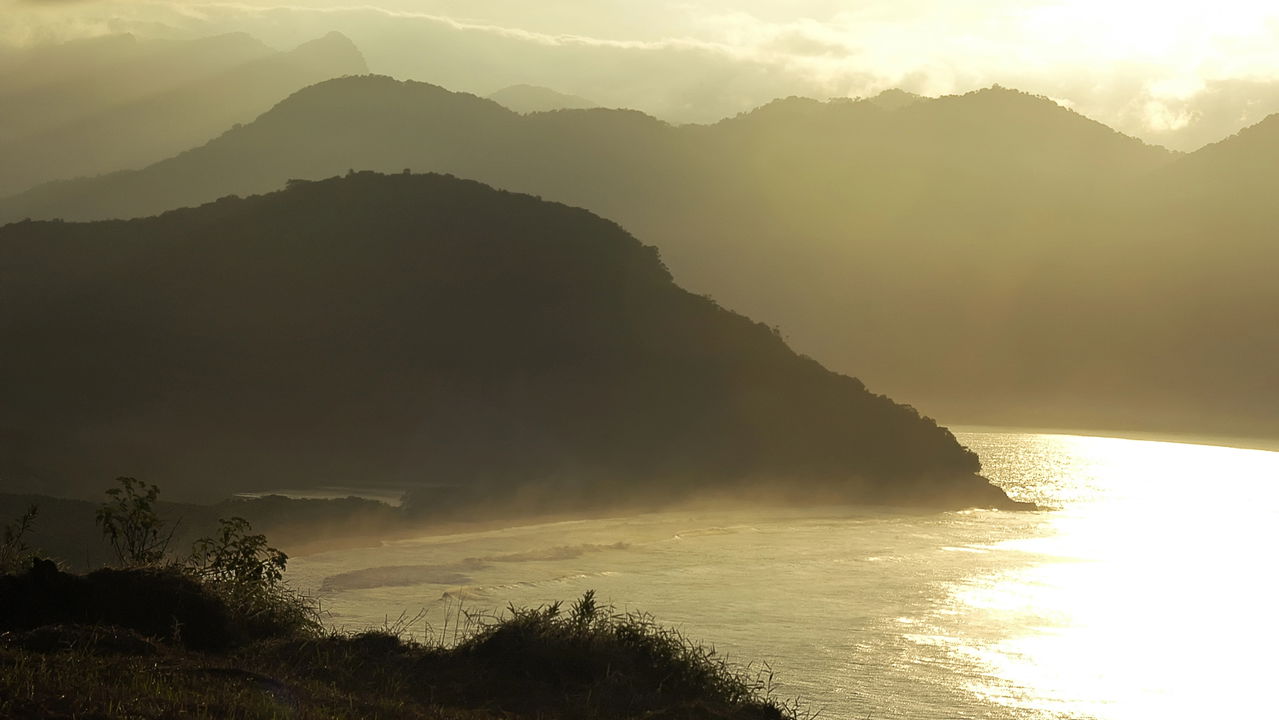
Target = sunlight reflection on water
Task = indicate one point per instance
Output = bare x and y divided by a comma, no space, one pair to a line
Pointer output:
1146,595
1151,595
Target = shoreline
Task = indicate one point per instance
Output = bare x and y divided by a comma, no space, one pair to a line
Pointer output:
459,530
1225,441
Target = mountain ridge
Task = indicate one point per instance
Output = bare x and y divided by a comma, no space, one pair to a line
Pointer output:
428,332
962,252
82,128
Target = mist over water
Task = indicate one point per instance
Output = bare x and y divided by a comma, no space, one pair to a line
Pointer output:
1145,595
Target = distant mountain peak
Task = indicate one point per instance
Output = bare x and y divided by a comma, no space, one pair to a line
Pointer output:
997,91
333,49
331,39
895,99
1267,129
1040,114
535,98
1248,153
790,106
332,42
384,87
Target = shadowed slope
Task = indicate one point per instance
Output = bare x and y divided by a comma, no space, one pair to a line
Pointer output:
421,330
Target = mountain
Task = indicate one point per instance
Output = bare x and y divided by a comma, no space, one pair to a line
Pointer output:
91,107
1234,175
474,346
50,85
970,252
1005,138
526,99
896,99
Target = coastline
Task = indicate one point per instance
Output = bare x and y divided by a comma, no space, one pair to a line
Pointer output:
1226,441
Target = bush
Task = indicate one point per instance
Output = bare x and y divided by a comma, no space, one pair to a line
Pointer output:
129,521
603,664
14,551
161,603
583,663
248,574
237,557
235,574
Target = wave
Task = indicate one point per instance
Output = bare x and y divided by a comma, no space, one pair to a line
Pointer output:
457,573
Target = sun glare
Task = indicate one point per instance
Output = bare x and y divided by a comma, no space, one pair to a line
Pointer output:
1169,34
1123,607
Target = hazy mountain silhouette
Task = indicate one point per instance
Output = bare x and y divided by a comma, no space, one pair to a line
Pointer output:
48,85
532,98
896,99
994,257
381,123
1235,175
423,330
91,107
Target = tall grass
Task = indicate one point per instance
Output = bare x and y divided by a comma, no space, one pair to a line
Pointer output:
586,662
220,634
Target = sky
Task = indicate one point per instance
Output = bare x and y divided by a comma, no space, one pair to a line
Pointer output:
1171,72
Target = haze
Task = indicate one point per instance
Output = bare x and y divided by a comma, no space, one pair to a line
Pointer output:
923,351
1179,74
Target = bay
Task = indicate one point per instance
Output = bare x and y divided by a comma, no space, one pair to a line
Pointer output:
1145,592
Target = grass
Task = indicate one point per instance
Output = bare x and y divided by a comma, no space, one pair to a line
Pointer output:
581,663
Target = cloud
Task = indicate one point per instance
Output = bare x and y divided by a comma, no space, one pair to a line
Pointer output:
1156,70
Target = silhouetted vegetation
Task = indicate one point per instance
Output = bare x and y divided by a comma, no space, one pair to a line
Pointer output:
218,634
227,590
607,664
161,603
14,550
488,350
65,528
530,664
129,521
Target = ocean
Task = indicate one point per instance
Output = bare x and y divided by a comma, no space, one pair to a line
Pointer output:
1146,593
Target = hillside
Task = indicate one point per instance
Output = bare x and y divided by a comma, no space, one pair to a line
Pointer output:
483,347
968,252
118,103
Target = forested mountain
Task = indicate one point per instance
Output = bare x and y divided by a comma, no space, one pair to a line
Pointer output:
115,103
478,346
993,257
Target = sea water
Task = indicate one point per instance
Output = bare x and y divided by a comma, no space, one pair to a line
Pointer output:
1147,593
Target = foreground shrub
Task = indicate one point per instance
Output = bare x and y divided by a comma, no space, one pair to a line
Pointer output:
236,556
235,567
592,662
229,596
586,663
161,603
248,574
166,604
14,551
129,521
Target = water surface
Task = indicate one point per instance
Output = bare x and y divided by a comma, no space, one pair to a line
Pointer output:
1146,595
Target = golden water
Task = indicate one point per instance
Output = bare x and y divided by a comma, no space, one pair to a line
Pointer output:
1146,596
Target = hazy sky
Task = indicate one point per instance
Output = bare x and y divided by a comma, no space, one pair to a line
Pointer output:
1180,73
